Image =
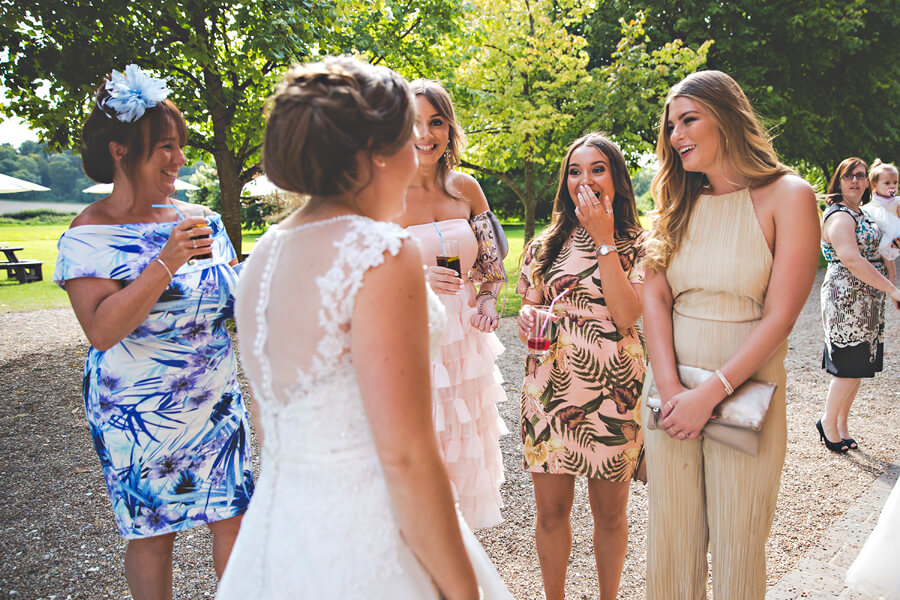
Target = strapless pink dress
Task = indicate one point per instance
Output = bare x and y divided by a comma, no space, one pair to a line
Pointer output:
466,387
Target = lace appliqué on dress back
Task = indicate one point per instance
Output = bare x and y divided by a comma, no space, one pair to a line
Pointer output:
322,491
362,248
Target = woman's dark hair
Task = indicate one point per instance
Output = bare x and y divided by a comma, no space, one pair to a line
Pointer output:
564,219
323,113
848,165
139,137
435,93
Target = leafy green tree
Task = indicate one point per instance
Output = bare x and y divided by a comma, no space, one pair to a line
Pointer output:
825,72
528,91
8,159
61,172
222,58
63,175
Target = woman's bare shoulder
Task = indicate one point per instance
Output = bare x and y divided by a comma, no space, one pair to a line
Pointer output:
789,189
94,214
467,189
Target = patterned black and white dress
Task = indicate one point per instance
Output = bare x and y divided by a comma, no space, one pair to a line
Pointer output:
853,311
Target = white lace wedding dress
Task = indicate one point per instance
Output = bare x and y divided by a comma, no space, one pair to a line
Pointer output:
320,523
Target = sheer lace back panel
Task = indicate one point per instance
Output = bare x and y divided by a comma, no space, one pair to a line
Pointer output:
294,312
294,308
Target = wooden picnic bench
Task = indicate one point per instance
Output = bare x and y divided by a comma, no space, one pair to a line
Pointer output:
25,271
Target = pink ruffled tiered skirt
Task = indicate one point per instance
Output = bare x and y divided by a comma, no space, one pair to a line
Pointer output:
466,388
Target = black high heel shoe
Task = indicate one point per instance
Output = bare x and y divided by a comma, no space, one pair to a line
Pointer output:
850,443
840,447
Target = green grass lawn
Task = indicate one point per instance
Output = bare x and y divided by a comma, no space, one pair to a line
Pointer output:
515,234
39,242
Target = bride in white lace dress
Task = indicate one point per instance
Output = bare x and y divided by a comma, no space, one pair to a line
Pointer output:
353,500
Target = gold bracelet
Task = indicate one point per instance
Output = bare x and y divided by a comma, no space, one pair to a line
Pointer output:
165,266
728,389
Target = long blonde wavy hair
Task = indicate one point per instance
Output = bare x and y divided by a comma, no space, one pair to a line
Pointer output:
743,143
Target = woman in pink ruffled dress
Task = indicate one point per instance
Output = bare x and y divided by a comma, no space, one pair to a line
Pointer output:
443,205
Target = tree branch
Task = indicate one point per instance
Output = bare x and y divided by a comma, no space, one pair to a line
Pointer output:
247,151
250,173
410,30
189,75
196,141
503,129
498,175
546,185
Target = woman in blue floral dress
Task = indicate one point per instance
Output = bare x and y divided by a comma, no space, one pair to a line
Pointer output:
160,381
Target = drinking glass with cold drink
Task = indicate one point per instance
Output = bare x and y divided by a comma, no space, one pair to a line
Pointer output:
198,212
543,330
450,258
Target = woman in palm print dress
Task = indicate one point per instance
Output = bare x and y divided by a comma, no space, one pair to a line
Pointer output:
579,402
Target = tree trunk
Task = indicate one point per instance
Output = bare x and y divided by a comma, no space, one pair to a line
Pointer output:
827,173
227,167
529,200
529,220
230,190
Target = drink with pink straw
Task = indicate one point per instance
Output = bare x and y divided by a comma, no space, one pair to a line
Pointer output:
543,327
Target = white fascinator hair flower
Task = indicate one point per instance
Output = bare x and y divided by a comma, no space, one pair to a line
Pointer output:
133,92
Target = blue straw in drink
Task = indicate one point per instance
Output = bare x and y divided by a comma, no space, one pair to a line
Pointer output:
180,215
440,237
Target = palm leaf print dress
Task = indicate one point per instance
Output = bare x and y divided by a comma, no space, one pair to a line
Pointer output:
579,401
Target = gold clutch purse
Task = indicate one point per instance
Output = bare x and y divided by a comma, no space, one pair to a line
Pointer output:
737,420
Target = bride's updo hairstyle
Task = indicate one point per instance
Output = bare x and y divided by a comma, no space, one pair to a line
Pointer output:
323,114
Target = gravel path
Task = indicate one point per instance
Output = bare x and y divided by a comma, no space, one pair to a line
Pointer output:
58,539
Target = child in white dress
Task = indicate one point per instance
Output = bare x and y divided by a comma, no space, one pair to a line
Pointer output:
884,209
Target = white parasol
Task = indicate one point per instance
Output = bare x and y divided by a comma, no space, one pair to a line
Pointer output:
11,185
261,186
106,188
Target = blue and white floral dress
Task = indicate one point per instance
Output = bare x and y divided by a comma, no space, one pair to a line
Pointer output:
164,404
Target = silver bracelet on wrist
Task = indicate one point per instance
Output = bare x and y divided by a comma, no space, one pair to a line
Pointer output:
166,267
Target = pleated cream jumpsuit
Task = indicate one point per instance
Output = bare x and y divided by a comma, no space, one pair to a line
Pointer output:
703,493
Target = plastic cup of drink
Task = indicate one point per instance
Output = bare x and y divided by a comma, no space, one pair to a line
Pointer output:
450,260
542,332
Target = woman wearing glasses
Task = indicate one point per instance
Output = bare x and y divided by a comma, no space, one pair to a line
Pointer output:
852,298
